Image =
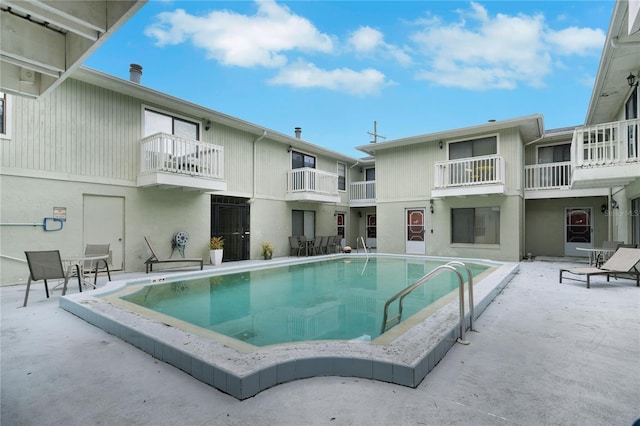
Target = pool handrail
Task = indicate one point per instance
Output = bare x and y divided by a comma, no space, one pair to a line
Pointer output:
364,246
389,323
470,275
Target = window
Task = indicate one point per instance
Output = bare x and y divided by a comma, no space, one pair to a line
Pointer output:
156,122
554,153
342,177
300,160
303,222
475,225
473,148
5,116
340,225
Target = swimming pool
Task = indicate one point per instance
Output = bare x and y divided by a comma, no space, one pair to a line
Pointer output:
402,355
333,299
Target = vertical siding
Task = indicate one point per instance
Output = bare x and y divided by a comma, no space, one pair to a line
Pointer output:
79,130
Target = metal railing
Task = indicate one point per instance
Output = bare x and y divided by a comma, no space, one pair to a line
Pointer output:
388,323
548,176
469,171
306,179
606,144
365,190
162,152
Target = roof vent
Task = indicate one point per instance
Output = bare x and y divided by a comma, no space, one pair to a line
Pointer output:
298,131
135,73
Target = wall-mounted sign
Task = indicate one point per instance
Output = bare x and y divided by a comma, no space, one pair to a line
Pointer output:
60,213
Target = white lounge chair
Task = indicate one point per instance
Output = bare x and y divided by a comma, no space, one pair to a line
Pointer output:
623,262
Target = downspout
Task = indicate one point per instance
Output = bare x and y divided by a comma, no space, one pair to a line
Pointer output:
255,177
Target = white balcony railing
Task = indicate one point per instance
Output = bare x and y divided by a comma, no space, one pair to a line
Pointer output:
162,152
312,181
360,191
547,176
484,170
606,144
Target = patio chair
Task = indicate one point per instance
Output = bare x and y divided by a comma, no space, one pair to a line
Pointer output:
46,265
295,246
317,245
95,266
155,258
610,245
623,262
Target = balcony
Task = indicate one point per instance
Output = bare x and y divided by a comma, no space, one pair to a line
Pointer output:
605,155
169,161
362,194
307,184
469,176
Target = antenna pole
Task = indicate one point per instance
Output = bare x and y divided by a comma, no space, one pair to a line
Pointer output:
375,133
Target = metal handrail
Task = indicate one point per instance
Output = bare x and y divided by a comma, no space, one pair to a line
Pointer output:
470,275
364,246
389,323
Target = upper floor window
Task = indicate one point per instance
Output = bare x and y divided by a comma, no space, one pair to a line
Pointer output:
157,122
300,160
342,176
554,153
5,116
473,148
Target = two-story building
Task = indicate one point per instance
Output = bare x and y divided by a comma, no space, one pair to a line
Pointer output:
99,159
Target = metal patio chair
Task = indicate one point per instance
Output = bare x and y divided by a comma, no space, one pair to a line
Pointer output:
46,265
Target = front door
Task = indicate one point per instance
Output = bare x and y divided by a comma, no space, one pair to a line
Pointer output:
578,231
415,231
103,223
230,220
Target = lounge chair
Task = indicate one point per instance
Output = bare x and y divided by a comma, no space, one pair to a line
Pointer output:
623,262
157,259
46,265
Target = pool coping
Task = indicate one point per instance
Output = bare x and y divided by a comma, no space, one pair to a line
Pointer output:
404,361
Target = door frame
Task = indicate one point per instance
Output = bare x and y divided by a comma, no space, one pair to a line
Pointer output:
417,216
570,248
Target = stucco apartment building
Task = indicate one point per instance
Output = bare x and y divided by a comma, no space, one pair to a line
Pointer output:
91,158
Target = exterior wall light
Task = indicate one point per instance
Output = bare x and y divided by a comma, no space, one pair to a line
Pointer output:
632,80
440,144
431,206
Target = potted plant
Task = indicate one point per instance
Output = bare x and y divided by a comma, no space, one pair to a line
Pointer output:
267,250
215,252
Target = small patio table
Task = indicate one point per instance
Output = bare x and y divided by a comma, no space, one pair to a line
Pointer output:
596,253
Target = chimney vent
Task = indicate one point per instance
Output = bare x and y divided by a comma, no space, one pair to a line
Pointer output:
135,73
298,132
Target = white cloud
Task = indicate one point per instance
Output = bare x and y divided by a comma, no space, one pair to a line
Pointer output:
241,40
482,52
577,41
369,41
307,75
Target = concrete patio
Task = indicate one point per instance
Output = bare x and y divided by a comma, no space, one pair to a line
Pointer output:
545,353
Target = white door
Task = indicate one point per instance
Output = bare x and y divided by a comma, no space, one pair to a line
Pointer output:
103,223
415,243
371,231
578,230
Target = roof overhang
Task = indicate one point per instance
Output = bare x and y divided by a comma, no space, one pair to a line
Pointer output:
619,58
531,128
43,41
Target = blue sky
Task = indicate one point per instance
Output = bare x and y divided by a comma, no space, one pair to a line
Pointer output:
335,67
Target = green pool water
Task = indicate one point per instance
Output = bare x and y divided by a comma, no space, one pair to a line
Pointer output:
337,299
